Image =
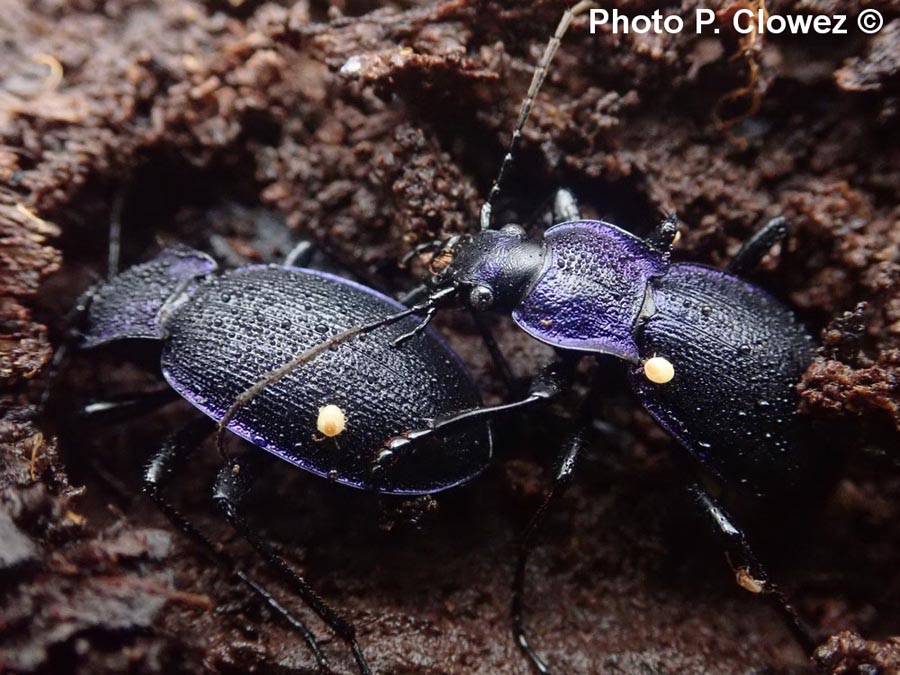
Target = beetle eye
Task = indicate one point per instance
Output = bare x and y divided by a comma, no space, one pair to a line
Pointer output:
481,297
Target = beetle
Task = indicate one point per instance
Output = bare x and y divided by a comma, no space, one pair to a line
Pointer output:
334,416
713,358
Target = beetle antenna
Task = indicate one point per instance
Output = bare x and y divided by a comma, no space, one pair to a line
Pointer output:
422,325
536,81
429,306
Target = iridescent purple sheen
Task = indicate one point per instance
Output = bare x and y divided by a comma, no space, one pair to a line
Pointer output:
238,326
591,290
129,305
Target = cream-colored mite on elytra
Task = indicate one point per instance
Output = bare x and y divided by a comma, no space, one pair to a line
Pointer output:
331,420
659,370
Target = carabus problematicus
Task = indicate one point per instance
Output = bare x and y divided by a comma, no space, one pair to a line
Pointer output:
338,379
332,410
714,359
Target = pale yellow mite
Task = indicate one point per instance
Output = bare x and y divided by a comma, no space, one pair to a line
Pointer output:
659,370
331,421
747,582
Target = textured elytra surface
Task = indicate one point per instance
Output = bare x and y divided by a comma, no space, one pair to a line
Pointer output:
238,327
129,305
738,354
592,289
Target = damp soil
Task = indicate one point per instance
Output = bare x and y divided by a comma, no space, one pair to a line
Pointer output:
240,127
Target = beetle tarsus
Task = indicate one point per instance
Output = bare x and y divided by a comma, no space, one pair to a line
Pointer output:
757,246
228,493
173,453
564,474
663,237
749,572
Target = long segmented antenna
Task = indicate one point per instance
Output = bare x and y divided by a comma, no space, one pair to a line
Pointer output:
270,378
539,74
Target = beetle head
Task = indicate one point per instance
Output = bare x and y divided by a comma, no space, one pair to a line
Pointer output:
492,269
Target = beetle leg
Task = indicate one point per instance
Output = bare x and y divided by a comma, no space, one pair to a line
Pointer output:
418,250
663,237
749,573
553,380
176,450
231,484
560,207
753,250
565,471
114,252
72,322
300,255
565,206
129,405
415,295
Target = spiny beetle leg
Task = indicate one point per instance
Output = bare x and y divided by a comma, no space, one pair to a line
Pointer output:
232,484
663,237
568,459
177,449
553,380
749,573
753,250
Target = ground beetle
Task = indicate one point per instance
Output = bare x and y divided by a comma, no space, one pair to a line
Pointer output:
334,416
713,358
292,360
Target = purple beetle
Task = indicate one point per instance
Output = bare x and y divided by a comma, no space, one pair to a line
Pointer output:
714,359
228,338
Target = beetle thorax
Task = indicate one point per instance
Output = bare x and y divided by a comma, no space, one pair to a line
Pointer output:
497,267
